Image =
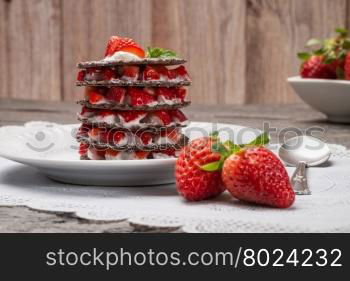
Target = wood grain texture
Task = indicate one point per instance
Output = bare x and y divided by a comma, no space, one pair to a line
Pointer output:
210,35
4,62
276,30
87,25
33,51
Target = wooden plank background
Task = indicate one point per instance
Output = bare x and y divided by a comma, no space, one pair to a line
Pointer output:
239,51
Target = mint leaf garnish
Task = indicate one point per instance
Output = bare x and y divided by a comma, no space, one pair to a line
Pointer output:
159,53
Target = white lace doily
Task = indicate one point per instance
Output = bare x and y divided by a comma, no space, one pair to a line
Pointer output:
326,210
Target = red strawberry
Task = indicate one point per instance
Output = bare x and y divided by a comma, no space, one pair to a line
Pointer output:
139,98
145,137
97,153
178,72
98,134
83,148
150,73
180,93
165,94
141,154
161,117
95,97
116,137
162,70
131,71
116,94
110,153
347,67
192,182
87,112
108,74
256,175
81,75
128,116
316,68
177,116
116,44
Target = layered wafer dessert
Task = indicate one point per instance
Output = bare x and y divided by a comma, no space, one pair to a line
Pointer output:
132,104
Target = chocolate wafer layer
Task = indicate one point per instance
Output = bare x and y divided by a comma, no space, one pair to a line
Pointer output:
183,141
122,83
136,127
145,61
115,106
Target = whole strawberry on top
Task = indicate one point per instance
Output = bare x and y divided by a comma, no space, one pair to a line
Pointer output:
192,182
327,59
253,173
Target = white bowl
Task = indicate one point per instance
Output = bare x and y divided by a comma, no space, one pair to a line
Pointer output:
331,97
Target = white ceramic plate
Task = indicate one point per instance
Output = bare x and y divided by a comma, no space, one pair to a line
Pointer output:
331,97
53,150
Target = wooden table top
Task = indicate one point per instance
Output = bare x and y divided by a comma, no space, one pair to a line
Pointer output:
14,112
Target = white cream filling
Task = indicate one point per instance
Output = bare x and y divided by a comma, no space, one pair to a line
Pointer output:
131,123
109,119
122,56
158,155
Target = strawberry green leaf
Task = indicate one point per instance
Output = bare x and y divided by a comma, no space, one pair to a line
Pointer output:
159,53
342,31
304,56
261,140
313,42
220,148
233,148
214,134
211,167
346,44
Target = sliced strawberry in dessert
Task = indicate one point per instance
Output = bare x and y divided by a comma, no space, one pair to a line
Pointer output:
113,154
165,95
179,72
131,72
150,73
177,116
87,112
144,138
116,94
108,74
95,153
131,118
95,97
98,134
83,131
180,94
141,154
161,118
83,148
116,137
116,43
81,75
138,97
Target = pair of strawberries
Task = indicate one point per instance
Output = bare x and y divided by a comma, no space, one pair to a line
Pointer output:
329,60
252,173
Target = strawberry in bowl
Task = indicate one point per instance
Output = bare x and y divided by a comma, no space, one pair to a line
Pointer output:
324,81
